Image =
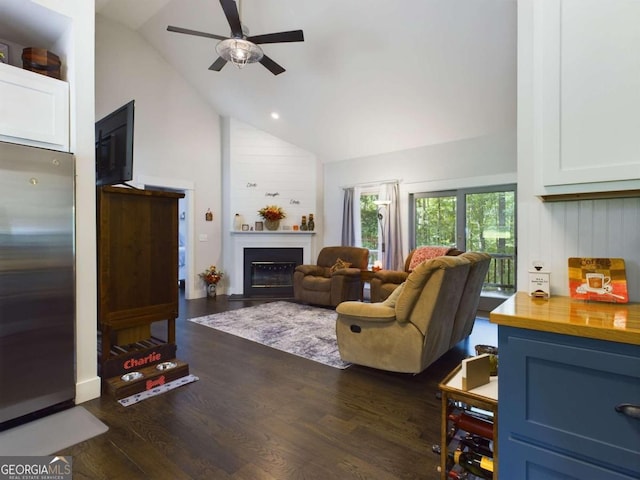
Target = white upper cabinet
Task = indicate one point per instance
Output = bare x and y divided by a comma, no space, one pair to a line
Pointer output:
584,72
34,109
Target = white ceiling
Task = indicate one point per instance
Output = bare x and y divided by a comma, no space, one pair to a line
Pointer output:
372,76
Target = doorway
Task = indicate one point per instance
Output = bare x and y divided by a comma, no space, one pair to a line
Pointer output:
185,227
182,242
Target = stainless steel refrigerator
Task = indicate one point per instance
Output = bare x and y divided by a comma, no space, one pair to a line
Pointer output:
37,283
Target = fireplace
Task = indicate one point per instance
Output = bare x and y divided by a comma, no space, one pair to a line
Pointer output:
268,272
267,240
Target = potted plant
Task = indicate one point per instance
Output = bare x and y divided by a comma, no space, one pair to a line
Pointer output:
272,215
211,276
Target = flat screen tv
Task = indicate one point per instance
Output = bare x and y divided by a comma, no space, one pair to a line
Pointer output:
114,147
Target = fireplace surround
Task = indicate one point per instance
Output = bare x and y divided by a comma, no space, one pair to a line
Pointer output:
303,241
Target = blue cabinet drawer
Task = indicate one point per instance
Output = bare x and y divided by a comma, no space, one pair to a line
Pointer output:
561,393
527,462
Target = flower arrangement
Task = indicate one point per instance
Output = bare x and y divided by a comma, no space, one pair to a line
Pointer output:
211,275
272,213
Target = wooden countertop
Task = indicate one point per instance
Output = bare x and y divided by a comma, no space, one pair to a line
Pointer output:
615,322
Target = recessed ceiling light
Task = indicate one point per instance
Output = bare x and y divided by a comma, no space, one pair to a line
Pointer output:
275,115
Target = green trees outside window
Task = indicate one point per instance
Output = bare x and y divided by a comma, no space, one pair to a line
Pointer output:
479,219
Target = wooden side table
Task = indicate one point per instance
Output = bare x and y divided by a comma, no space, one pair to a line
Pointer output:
484,397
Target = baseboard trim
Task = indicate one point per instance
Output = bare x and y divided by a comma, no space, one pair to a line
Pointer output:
87,390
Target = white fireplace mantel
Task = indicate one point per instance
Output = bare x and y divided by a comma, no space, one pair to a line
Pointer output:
265,239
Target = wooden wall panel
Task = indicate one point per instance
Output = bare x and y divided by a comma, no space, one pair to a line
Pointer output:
265,170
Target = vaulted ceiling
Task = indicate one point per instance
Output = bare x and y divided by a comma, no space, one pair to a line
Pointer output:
371,77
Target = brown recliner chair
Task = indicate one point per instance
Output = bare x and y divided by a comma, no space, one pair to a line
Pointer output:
468,308
326,283
386,281
420,321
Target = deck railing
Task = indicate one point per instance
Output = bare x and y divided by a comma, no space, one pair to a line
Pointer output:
502,272
500,277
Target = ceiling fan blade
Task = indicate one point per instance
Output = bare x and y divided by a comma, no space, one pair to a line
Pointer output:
196,33
231,12
280,37
218,64
272,66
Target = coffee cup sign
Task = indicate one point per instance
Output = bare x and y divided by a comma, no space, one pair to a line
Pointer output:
597,281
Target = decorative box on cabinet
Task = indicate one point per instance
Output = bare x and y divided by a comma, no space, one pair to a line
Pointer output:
484,397
558,417
137,264
577,62
34,109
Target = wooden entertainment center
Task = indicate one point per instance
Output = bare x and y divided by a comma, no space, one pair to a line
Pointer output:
137,274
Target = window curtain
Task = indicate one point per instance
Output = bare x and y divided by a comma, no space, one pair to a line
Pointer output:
391,230
348,221
357,218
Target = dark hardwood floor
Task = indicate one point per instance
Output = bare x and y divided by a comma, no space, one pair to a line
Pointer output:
260,414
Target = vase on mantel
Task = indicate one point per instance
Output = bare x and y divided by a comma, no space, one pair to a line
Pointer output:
272,224
238,220
211,290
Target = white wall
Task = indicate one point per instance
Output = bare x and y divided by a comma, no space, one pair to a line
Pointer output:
489,160
262,170
176,139
268,171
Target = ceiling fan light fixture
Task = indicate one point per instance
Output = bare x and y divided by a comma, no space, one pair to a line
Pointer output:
239,51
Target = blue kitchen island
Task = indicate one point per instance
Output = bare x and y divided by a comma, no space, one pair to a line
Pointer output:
569,389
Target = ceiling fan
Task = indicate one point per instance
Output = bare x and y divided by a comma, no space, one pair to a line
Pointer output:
239,48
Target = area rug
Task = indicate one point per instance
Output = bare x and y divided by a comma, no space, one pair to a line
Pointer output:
51,434
302,330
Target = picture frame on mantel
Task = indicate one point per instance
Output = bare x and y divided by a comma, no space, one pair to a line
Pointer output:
4,53
259,226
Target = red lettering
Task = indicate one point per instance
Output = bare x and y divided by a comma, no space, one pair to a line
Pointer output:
139,362
155,383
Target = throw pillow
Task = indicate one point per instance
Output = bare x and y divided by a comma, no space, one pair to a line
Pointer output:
340,264
422,254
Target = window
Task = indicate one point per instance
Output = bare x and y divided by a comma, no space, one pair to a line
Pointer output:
435,219
477,219
369,227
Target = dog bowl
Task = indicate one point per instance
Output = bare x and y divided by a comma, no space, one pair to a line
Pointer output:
166,365
129,377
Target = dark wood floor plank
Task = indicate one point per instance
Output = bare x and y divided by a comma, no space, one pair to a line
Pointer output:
354,467
252,472
260,414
